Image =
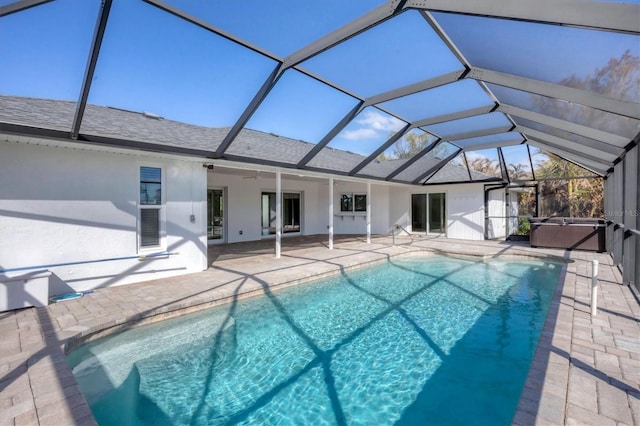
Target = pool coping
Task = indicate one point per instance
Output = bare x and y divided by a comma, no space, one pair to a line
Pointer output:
37,386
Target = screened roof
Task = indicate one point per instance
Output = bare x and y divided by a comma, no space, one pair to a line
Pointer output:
406,91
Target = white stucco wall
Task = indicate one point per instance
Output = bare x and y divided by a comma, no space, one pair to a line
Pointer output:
74,210
464,208
60,205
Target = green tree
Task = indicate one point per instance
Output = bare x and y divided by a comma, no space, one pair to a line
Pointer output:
518,172
570,194
619,78
485,165
408,146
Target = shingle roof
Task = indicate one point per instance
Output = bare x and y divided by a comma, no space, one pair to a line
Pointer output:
108,122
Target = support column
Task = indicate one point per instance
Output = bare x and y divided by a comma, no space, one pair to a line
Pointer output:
368,212
278,213
331,213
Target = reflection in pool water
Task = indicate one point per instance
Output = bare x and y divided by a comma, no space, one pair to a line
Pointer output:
417,340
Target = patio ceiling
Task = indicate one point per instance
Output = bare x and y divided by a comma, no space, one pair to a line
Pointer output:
386,90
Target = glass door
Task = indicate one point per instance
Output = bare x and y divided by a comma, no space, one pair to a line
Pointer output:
215,214
437,214
290,212
418,212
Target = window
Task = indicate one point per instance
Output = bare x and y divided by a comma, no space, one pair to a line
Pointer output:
150,205
360,202
353,203
346,203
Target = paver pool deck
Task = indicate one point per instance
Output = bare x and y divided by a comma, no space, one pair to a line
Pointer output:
586,369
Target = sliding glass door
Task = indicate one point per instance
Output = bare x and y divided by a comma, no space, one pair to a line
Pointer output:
428,213
215,214
436,213
290,212
418,212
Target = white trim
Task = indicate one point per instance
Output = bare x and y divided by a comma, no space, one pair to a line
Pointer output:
162,209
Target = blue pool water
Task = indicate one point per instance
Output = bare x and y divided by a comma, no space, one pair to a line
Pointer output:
414,341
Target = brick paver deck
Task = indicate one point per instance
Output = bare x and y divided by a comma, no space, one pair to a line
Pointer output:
585,371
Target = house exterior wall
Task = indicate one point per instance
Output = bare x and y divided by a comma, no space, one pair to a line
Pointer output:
464,208
75,209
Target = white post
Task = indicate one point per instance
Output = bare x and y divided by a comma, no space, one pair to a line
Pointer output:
594,287
331,213
278,212
368,212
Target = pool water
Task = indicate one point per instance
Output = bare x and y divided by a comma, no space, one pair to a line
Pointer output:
416,341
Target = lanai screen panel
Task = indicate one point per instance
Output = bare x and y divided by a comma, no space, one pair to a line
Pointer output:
490,141
484,164
432,159
398,154
564,55
572,141
272,81
463,95
361,137
547,166
292,118
571,112
454,171
168,81
455,128
43,54
517,162
395,53
281,27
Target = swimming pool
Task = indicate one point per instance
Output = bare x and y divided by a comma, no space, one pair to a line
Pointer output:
417,340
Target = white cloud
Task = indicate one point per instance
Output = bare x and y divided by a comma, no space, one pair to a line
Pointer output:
373,125
377,121
358,134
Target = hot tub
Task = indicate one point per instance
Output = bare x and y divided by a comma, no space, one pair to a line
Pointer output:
568,233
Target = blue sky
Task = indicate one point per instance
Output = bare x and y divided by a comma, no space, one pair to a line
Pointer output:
153,61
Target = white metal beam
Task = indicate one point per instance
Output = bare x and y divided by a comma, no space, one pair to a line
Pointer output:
410,89
567,126
209,27
605,157
19,6
587,163
352,29
619,17
454,116
556,91
489,145
478,133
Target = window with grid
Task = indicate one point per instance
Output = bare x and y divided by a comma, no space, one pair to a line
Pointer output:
150,206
